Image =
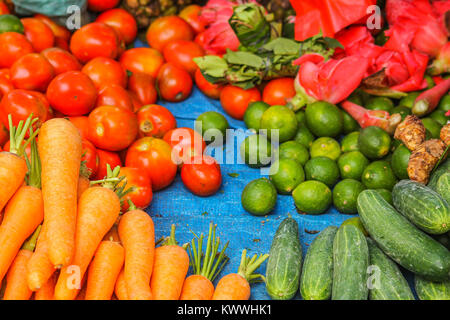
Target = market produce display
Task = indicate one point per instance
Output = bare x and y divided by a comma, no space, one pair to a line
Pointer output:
316,168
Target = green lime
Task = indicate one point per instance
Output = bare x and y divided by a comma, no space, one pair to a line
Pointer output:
253,114
322,169
432,126
259,197
402,110
408,101
356,221
350,142
325,147
345,194
301,118
430,81
399,161
374,142
211,125
286,174
10,23
295,151
356,98
304,136
440,117
349,124
279,120
379,103
379,175
395,144
444,104
324,119
313,197
352,164
386,194
256,151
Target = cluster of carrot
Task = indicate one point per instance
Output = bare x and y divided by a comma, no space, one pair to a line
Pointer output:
64,237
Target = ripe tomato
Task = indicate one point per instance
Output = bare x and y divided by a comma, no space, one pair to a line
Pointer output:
114,95
104,158
89,157
137,104
105,71
181,52
38,33
20,104
95,40
58,30
155,120
175,84
122,21
154,157
4,72
13,45
112,128
202,176
209,89
235,100
5,86
143,86
62,44
43,99
102,5
73,93
191,14
146,60
61,60
165,29
4,134
278,91
3,8
82,124
142,193
186,143
32,72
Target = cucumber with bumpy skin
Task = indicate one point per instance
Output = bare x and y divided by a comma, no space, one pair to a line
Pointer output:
386,282
350,262
400,240
428,290
285,262
443,186
317,275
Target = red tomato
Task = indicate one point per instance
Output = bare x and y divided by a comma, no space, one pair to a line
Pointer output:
181,52
5,86
122,21
13,46
142,193
38,33
191,14
102,5
175,84
4,72
90,157
209,89
235,100
165,29
104,158
154,157
43,99
61,60
4,8
137,104
155,120
58,30
4,134
202,176
73,93
62,43
32,72
95,40
114,95
143,86
82,124
186,143
112,128
146,60
278,91
105,71
200,39
20,104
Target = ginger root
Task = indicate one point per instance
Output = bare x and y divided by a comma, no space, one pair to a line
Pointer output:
411,132
445,134
424,158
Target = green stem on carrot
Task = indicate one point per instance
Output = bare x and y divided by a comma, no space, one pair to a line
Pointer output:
112,181
30,244
131,205
249,265
33,177
17,134
171,241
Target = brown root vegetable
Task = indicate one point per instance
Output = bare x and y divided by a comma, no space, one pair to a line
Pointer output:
445,134
423,159
411,132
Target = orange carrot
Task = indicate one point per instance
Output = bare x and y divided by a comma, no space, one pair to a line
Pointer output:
104,270
98,209
47,291
169,270
60,151
82,293
236,286
120,289
83,184
206,267
137,233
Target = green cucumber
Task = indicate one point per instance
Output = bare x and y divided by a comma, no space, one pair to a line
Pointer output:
443,168
285,262
424,207
317,275
350,262
386,281
443,186
428,290
400,240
